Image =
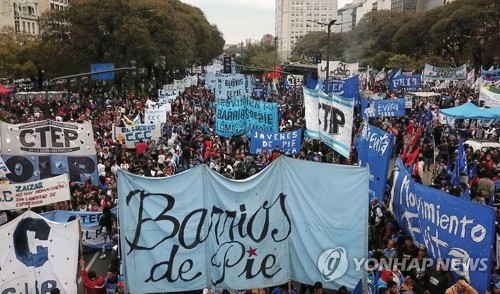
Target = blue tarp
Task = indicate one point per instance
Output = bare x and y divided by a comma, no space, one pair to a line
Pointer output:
470,111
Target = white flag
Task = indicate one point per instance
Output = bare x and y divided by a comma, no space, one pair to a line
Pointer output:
38,255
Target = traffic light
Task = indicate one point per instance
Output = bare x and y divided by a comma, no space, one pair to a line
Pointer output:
227,64
318,58
134,68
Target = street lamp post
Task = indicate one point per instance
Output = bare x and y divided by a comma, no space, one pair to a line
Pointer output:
275,51
330,24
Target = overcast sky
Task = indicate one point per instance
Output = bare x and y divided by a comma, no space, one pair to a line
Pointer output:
239,20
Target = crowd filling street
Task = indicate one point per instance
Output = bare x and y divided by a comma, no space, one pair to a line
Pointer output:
189,139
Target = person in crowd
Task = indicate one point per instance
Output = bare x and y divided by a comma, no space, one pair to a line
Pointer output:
107,223
461,287
92,283
112,280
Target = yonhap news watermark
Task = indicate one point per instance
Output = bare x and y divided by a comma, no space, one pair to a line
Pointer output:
334,263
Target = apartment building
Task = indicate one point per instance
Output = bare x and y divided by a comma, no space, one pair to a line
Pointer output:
296,18
23,15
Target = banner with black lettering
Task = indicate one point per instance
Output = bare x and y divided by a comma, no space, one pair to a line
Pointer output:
38,255
233,86
156,112
444,74
89,223
40,150
199,229
339,70
329,119
34,194
133,134
288,142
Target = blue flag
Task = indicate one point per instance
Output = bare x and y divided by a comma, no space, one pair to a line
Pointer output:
466,194
462,158
405,82
418,210
375,149
384,108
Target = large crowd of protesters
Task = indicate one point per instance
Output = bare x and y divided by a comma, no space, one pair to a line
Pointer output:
189,139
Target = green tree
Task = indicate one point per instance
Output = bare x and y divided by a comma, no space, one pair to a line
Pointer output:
16,54
118,31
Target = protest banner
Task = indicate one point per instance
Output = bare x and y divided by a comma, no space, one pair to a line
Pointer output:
490,75
489,96
261,116
38,255
375,151
459,231
338,70
242,115
289,142
40,150
383,108
329,119
231,117
34,194
405,82
444,74
156,113
246,234
133,134
233,86
408,102
89,222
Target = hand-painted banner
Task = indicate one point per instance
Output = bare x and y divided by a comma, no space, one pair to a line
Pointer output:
132,135
242,115
37,255
383,108
490,98
329,119
446,74
40,150
156,112
258,92
490,75
338,70
89,221
408,102
288,142
459,231
405,82
167,95
230,86
34,194
221,233
375,151
261,116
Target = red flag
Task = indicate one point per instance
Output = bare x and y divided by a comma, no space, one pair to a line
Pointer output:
413,157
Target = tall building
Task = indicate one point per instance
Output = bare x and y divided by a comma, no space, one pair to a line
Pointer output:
404,5
426,5
296,18
23,15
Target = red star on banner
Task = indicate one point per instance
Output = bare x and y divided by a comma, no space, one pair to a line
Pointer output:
251,252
